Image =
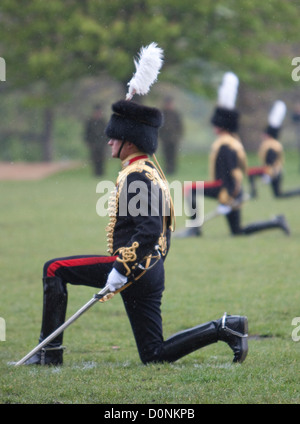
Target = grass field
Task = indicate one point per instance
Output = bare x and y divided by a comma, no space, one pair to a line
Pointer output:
257,276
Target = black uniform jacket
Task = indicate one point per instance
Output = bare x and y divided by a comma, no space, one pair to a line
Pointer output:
140,215
228,163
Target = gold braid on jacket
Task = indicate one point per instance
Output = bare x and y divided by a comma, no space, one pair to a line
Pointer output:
157,177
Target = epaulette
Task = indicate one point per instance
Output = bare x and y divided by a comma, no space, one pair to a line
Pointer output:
273,144
233,143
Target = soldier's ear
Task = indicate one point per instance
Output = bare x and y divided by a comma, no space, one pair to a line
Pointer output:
131,145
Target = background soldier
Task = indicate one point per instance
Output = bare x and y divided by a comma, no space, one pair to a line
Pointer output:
228,163
94,137
171,134
271,154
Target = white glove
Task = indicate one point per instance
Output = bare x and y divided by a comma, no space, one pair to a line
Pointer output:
266,178
115,280
223,209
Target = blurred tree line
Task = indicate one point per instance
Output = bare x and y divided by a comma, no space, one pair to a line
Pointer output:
49,47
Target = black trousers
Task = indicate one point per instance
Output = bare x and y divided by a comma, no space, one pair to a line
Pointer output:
276,186
142,301
233,218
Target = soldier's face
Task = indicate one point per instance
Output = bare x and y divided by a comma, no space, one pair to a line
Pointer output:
115,147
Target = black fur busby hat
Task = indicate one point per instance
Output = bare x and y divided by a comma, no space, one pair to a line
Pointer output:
226,119
225,114
136,123
275,119
131,121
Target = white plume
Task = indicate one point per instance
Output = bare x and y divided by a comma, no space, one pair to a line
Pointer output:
277,114
228,91
147,70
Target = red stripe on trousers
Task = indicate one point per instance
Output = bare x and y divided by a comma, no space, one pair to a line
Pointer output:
78,262
207,184
256,170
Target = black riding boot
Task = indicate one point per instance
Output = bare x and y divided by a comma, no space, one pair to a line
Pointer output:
277,222
231,329
54,313
290,193
253,191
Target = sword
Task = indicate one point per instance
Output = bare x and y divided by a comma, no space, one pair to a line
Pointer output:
235,204
102,296
198,223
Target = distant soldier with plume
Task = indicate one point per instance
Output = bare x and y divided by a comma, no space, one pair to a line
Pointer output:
271,155
228,165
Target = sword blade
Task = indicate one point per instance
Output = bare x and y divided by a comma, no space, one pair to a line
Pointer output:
105,291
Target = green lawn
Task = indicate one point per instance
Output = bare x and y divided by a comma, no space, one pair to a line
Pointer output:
257,276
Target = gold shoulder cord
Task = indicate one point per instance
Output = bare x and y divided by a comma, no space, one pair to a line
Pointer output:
172,212
162,242
113,207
